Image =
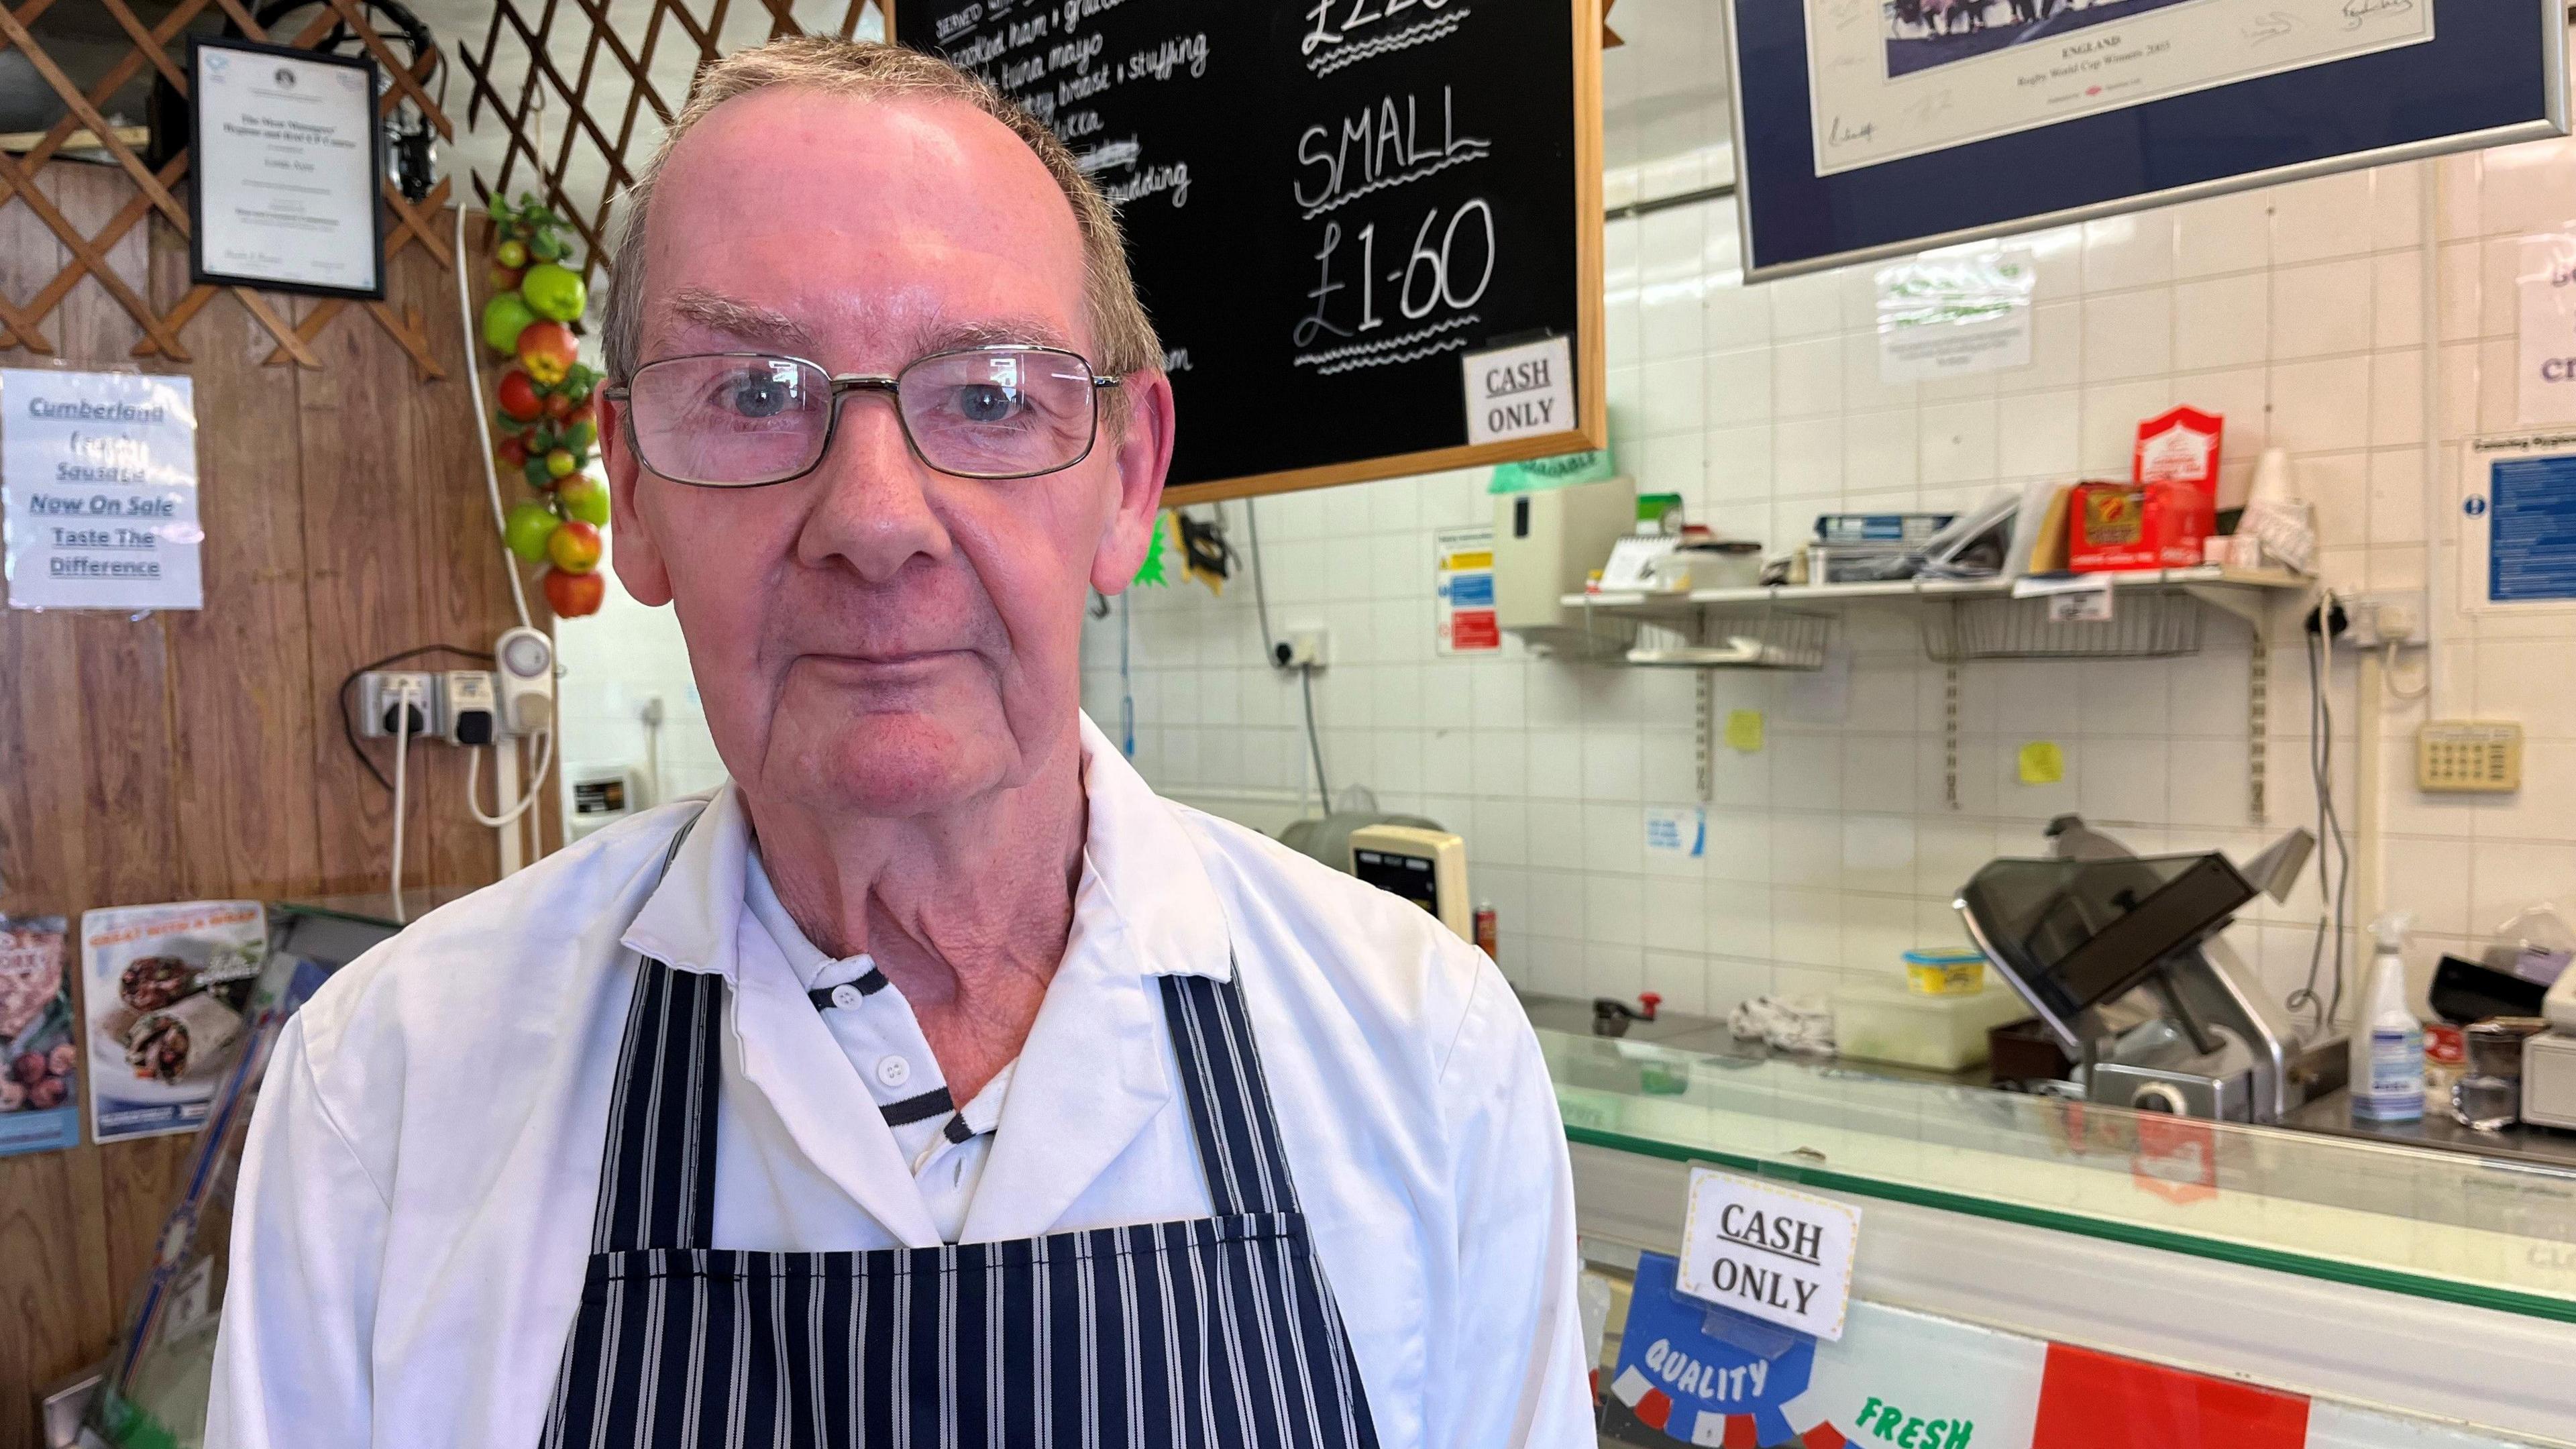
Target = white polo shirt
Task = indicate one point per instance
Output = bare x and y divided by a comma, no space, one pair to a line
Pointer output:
415,1205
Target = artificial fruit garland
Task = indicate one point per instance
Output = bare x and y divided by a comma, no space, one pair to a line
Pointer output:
543,412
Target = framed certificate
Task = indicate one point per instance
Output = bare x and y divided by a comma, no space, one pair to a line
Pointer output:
1873,128
287,170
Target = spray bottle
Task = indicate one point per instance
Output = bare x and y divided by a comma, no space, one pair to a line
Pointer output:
2387,1040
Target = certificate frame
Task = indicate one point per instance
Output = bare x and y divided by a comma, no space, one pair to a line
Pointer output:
2489,72
198,271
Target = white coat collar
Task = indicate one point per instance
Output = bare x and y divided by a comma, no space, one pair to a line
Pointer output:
1093,1070
1137,856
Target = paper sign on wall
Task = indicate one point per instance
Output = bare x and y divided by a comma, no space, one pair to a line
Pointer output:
2545,391
1679,831
1463,588
1520,392
169,993
1780,1256
1956,314
99,472
39,1064
2518,523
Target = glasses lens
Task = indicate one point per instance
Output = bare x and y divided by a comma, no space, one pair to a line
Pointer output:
730,419
999,412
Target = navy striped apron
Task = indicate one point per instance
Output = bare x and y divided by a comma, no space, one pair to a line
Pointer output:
1218,1332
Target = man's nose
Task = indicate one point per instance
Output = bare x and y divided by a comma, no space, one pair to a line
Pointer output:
873,509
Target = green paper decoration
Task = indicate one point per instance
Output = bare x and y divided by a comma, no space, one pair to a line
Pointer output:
1152,571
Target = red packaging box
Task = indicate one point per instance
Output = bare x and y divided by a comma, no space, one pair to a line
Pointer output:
2158,518
2120,527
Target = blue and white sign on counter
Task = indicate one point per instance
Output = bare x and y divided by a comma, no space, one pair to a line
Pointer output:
99,472
2518,524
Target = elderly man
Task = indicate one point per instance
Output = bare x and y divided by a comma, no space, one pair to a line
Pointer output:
933,1083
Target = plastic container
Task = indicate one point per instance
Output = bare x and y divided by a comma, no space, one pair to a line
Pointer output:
2387,1040
1893,1023
1947,971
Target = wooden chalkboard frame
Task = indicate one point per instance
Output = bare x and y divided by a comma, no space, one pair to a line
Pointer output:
1591,349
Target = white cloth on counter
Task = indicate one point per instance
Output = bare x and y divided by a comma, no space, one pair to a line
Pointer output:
1788,1023
416,1199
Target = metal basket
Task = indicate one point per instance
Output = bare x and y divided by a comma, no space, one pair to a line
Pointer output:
1736,639
2146,623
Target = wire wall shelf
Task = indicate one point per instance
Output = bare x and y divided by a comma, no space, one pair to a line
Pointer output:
1752,639
2147,624
2154,614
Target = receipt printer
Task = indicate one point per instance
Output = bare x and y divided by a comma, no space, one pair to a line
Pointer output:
1426,867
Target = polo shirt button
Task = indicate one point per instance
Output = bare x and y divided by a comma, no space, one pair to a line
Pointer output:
845,995
893,1071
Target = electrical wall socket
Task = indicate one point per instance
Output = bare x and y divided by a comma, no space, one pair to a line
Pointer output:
2390,616
1305,649
380,690
467,706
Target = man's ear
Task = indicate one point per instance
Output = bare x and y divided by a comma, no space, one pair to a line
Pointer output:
632,551
1143,456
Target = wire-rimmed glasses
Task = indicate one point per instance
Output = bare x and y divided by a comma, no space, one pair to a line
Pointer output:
744,419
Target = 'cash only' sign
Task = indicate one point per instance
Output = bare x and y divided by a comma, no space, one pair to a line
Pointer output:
1780,1256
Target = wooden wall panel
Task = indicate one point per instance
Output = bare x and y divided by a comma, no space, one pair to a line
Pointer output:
235,839
190,755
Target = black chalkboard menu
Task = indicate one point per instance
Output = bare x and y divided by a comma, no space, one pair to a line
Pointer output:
1368,231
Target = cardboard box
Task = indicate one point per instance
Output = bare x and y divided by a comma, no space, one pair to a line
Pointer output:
2121,527
2160,517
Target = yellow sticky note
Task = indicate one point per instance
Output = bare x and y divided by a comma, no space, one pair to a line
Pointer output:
1744,730
2042,763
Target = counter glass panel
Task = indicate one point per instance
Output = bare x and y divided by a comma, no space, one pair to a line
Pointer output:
2492,1231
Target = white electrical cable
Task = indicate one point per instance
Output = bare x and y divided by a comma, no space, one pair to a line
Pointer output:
509,560
2406,696
402,757
474,788
483,428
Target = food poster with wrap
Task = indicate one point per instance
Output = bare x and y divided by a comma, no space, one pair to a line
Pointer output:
39,1064
168,990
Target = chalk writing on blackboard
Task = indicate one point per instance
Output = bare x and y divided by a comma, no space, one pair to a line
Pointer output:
1326,201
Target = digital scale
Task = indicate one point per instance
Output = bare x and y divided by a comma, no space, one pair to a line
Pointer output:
1426,867
2549,1060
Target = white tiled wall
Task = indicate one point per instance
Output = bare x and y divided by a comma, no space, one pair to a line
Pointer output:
2293,311
614,663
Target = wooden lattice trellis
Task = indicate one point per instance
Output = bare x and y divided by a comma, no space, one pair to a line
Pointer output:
21,320
616,129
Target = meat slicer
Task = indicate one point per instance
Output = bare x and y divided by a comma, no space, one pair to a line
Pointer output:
2119,956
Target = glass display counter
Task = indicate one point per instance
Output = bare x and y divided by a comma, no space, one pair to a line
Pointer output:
2367,1280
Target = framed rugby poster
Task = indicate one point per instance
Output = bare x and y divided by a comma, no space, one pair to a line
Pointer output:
1871,128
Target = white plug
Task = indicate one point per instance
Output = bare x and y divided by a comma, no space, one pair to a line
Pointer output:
381,693
466,701
1303,649
2380,620
525,673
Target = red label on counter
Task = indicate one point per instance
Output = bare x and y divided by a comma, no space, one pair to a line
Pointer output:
2095,1401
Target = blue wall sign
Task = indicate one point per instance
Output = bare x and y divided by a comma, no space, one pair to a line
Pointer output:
2531,541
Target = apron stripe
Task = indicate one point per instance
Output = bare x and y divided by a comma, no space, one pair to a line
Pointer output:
1214,1333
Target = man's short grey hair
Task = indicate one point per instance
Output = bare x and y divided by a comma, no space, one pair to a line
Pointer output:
1120,331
